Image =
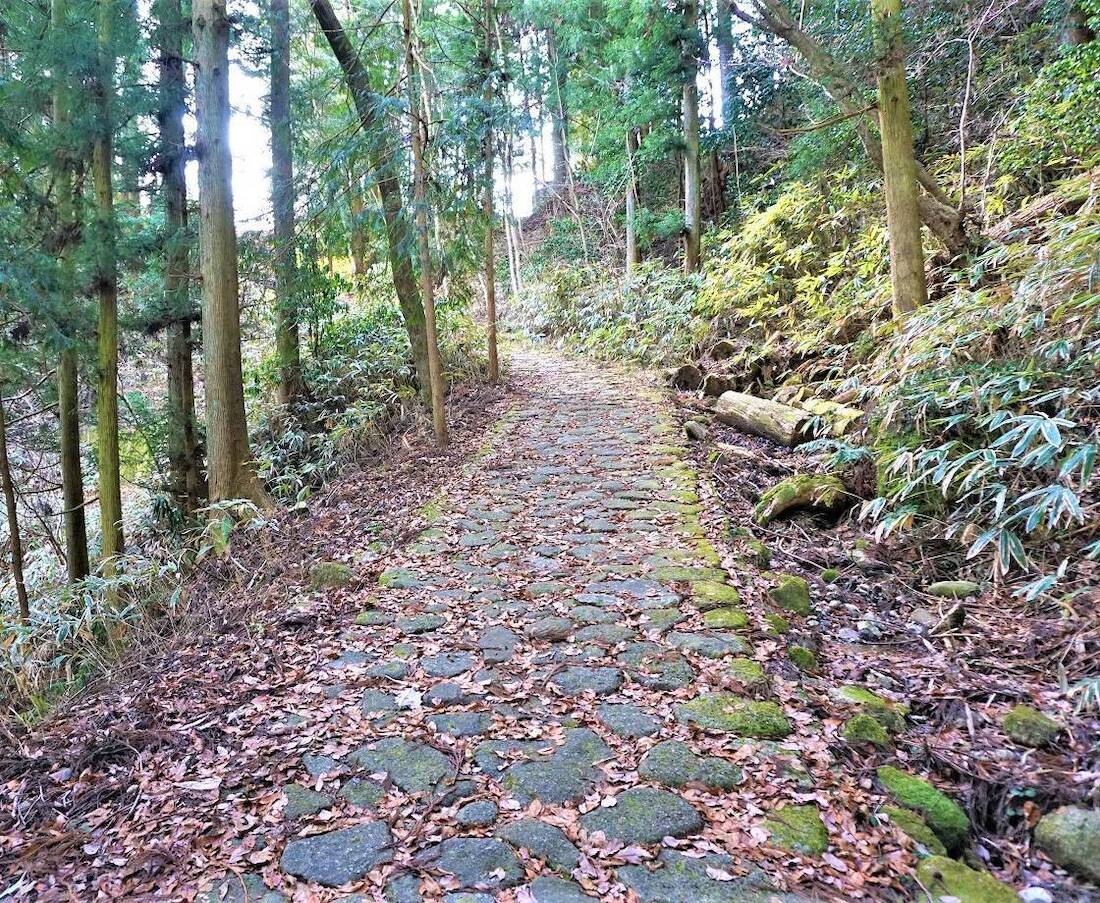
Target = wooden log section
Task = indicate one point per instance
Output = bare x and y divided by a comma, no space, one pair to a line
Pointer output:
761,417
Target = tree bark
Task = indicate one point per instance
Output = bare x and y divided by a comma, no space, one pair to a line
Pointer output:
287,350
383,159
723,37
936,210
559,139
898,165
1078,31
14,537
230,466
72,476
357,243
761,417
693,208
487,151
188,486
106,282
419,126
633,254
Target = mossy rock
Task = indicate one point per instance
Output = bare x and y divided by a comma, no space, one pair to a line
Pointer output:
714,594
891,715
792,594
802,658
329,575
399,578
1030,727
864,728
916,828
945,877
943,814
728,713
748,672
373,618
953,589
777,624
1070,836
801,490
798,829
830,575
681,574
728,618
761,554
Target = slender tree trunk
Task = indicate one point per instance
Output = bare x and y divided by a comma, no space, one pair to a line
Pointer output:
936,209
184,459
723,37
1078,30
560,121
899,167
693,208
287,348
384,162
419,126
14,536
633,254
106,278
232,474
72,476
357,242
487,151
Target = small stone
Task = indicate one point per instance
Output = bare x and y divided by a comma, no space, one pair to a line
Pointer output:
361,793
576,680
803,658
792,594
714,594
498,644
695,431
628,720
748,672
1070,836
447,664
1036,895
644,815
403,889
248,888
421,623
478,814
863,728
916,828
543,841
340,856
414,767
798,829
399,578
940,811
953,589
375,702
373,618
605,634
1030,727
550,629
707,645
460,724
697,879
320,765
726,618
478,862
389,670
557,890
350,659
731,714
777,624
303,801
891,715
674,764
945,877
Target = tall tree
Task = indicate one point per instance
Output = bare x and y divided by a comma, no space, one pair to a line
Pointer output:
232,474
15,540
898,166
633,254
419,124
282,202
387,171
693,207
184,458
559,119
68,411
487,152
106,281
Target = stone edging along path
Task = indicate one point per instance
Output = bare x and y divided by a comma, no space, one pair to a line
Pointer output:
556,694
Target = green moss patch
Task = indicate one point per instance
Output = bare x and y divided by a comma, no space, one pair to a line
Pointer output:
798,829
792,594
748,672
801,490
329,575
945,877
863,728
727,713
802,658
891,715
1030,727
728,618
943,814
777,624
916,828
714,594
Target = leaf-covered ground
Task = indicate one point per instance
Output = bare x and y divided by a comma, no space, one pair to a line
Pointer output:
557,679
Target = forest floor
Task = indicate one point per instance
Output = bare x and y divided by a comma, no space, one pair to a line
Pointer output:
532,680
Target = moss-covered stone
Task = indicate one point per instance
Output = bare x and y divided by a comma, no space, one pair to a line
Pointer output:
798,829
714,594
329,575
1030,727
891,715
953,589
916,828
1070,836
748,672
829,575
802,658
399,578
944,877
728,618
792,594
801,490
761,554
728,713
863,728
680,574
373,618
777,624
943,814
303,801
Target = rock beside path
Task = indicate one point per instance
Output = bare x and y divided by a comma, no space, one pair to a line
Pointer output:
340,856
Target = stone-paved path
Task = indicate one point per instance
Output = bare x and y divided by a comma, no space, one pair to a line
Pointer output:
549,697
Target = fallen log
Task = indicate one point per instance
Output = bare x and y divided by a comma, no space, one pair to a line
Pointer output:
761,417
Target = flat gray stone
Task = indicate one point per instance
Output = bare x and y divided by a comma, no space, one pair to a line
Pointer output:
390,670
550,629
557,890
414,767
460,724
708,645
403,889
303,801
628,720
377,702
657,667
350,659
478,814
362,793
543,841
448,694
644,815
447,664
421,623
479,863
606,634
248,888
592,614
498,644
675,764
575,680
683,878
339,856
320,765
565,775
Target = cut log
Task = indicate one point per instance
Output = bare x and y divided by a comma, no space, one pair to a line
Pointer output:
761,417
686,377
